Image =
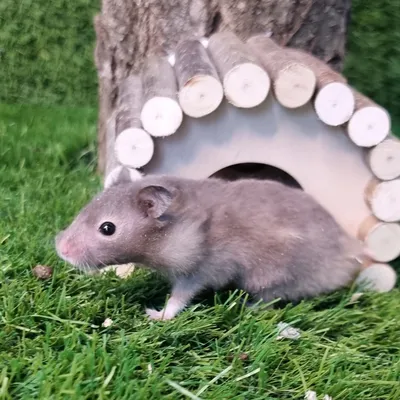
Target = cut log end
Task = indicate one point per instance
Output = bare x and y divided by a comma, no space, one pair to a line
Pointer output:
334,104
246,85
295,85
161,116
121,173
384,199
377,277
369,126
160,113
201,96
384,159
134,148
112,177
382,239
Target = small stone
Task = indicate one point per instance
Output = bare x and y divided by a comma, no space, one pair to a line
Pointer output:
107,322
354,298
123,270
310,395
242,357
42,272
287,331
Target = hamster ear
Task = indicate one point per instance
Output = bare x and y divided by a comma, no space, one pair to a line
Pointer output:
154,200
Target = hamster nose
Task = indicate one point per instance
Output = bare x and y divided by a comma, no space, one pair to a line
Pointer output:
64,246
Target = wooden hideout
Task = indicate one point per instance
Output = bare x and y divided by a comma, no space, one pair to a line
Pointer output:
222,102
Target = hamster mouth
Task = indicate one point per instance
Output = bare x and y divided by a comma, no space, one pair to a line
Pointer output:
71,252
87,266
82,266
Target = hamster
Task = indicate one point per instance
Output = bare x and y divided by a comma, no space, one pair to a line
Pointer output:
263,237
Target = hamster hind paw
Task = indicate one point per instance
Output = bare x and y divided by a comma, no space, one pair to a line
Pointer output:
158,315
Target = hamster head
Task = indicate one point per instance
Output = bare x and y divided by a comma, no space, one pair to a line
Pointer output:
120,225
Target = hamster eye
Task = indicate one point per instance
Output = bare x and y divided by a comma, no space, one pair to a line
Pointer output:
107,228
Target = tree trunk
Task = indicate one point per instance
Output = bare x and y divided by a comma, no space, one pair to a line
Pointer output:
129,30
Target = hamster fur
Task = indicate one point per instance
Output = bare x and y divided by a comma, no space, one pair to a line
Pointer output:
266,238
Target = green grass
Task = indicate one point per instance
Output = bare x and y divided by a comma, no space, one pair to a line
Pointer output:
52,345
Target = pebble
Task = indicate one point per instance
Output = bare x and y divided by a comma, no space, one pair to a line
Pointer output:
311,395
42,272
287,331
107,322
123,270
354,298
242,357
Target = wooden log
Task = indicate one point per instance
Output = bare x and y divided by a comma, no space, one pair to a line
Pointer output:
110,159
384,159
111,163
370,124
161,114
246,84
382,239
264,44
334,102
121,174
134,147
383,197
293,82
377,277
114,171
129,105
128,31
200,91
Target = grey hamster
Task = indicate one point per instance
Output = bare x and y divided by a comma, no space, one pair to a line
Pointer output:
260,236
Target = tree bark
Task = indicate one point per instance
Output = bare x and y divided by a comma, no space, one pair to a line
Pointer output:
129,30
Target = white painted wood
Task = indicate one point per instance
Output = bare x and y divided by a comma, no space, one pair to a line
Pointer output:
246,85
295,85
161,116
378,277
334,104
121,173
381,239
384,199
201,96
369,126
134,147
321,158
384,159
